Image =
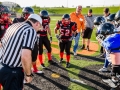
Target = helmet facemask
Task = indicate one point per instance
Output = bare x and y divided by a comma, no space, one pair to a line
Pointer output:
26,15
66,21
4,17
100,37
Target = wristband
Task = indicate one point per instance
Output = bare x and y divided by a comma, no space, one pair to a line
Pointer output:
31,75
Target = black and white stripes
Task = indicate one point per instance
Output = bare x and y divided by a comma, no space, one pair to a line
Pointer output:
17,37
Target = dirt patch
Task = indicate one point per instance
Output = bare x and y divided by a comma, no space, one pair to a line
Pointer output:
93,49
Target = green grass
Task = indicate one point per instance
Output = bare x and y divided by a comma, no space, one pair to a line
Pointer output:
76,65
96,10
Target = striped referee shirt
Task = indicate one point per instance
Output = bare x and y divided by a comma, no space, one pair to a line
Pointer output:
17,37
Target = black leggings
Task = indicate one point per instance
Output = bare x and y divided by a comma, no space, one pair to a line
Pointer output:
65,45
35,52
115,70
43,40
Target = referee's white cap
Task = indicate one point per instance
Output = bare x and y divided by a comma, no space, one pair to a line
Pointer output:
36,17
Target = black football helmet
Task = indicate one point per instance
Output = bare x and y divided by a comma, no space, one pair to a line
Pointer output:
99,20
117,16
105,29
66,19
111,17
28,10
66,16
44,14
4,9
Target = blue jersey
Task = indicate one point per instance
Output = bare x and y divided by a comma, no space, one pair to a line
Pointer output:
112,43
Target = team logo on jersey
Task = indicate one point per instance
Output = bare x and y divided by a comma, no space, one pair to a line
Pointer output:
81,19
1,9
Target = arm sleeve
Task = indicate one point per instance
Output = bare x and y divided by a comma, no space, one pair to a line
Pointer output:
112,42
30,37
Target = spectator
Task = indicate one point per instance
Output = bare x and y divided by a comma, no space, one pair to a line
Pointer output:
106,13
18,43
89,29
80,20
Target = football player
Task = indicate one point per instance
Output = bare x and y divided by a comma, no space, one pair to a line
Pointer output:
67,31
43,38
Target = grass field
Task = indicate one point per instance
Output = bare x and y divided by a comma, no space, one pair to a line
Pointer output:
96,10
78,64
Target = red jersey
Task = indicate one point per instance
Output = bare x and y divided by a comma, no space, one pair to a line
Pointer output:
45,25
3,26
66,30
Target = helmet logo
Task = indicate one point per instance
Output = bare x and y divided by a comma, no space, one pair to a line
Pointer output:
2,9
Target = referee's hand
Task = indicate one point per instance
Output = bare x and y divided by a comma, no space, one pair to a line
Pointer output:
28,79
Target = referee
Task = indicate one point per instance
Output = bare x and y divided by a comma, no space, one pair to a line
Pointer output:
17,45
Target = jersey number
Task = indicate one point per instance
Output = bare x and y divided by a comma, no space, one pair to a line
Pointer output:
65,32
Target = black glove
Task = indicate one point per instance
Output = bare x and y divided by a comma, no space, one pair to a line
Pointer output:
50,39
57,36
76,34
71,38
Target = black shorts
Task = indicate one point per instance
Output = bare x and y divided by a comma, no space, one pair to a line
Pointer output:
87,33
65,45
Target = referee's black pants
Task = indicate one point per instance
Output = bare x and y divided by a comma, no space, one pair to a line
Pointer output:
11,78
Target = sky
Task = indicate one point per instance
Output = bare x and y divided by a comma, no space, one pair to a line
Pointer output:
65,3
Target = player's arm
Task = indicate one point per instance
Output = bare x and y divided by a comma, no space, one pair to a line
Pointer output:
74,29
49,30
56,29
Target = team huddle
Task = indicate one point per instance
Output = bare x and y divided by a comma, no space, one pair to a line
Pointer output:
30,32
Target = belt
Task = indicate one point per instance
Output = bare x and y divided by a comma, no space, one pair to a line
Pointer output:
11,66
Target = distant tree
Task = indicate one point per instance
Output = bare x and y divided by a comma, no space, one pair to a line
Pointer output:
62,6
18,6
87,6
0,2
